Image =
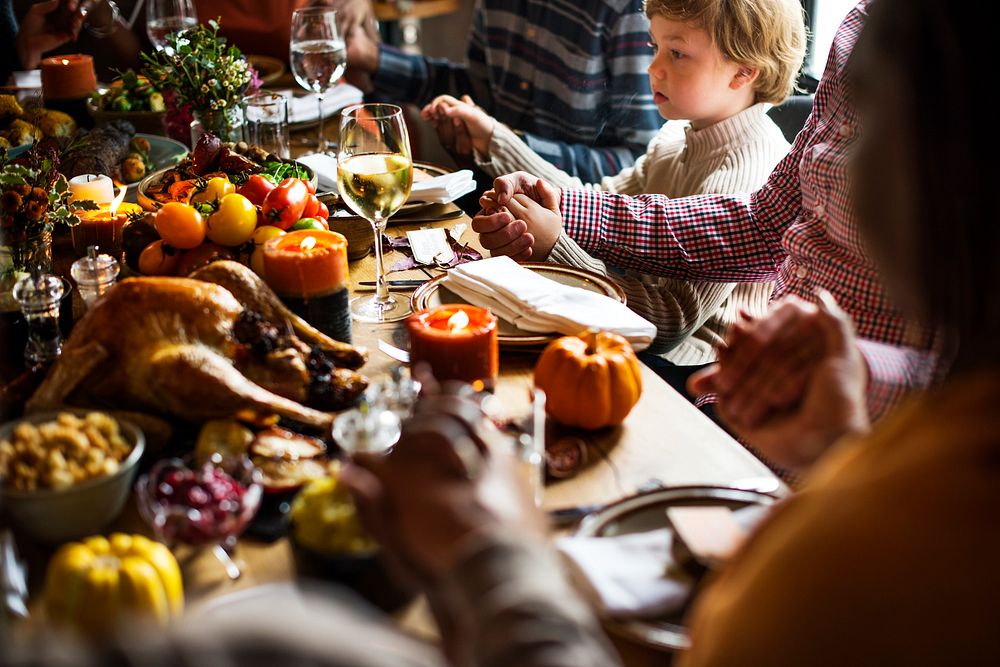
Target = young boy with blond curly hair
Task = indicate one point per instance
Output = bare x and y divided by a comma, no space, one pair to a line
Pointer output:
718,67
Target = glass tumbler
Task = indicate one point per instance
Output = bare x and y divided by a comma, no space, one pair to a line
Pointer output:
265,122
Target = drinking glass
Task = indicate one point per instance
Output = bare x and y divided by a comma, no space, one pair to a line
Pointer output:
166,16
265,122
375,174
318,55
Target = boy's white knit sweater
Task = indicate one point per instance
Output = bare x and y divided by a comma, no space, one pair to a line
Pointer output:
734,155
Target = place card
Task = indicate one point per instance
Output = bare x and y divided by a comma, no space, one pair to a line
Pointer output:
430,245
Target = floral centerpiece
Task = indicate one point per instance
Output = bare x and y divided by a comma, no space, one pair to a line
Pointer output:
199,74
34,200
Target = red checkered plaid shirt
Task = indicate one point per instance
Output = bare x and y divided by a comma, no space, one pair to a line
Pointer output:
799,229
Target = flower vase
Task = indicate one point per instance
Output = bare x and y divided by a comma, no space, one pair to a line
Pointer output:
226,124
19,257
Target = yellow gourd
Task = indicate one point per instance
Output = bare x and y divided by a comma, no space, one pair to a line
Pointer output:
93,585
591,380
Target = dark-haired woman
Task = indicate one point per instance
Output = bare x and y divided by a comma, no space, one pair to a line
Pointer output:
889,555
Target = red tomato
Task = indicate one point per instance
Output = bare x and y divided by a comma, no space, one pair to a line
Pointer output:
312,205
256,188
201,256
323,212
159,259
309,186
283,205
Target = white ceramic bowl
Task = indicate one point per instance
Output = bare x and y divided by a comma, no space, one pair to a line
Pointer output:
58,515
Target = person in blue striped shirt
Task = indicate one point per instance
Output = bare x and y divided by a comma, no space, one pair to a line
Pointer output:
569,77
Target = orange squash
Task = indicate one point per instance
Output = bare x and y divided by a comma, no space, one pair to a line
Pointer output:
590,380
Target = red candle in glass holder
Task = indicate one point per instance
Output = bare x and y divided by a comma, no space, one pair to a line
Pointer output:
458,341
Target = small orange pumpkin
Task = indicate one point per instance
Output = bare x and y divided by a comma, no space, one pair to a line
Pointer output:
590,380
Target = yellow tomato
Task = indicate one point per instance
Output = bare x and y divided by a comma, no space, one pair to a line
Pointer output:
234,222
215,189
261,236
180,225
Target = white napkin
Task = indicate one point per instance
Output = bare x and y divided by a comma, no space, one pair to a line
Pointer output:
445,188
626,576
633,575
437,190
27,79
305,108
532,302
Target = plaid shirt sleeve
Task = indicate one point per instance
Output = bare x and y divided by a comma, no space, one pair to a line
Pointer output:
893,372
727,238
411,79
632,118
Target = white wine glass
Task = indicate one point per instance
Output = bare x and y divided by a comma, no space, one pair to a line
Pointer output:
374,175
166,16
318,55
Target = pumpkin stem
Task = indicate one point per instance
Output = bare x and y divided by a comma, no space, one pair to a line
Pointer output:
592,337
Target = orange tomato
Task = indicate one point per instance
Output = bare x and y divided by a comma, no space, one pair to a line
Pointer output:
180,225
158,259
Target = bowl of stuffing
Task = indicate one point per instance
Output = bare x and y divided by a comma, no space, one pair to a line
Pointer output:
66,474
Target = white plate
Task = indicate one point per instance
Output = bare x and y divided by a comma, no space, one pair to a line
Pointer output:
645,512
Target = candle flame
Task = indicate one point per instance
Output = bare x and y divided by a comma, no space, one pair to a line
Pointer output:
65,62
308,243
458,321
117,201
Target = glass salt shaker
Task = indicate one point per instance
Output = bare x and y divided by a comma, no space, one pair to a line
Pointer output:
366,429
94,275
39,297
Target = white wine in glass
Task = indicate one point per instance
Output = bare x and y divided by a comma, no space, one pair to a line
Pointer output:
166,16
375,174
318,55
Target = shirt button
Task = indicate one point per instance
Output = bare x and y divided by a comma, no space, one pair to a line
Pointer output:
531,32
819,210
846,131
801,272
525,85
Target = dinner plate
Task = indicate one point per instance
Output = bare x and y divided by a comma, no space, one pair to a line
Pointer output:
435,293
648,511
421,172
268,69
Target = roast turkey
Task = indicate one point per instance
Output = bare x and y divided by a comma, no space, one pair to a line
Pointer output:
170,347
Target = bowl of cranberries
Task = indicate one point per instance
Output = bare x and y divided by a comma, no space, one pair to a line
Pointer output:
200,504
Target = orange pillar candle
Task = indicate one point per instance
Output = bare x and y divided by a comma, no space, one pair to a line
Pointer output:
458,341
68,77
103,227
308,270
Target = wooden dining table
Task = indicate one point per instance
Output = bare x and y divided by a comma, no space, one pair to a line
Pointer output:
665,438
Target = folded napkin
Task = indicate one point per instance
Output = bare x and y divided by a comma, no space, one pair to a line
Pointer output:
626,576
532,302
27,79
634,575
305,108
437,190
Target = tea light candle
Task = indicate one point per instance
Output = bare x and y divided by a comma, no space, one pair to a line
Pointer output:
308,270
68,77
458,341
99,189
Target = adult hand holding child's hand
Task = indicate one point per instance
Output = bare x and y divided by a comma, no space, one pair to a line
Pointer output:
520,217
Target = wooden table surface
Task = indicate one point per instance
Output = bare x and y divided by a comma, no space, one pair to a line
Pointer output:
664,437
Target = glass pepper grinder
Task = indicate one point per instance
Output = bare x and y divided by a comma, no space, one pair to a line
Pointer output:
39,296
94,275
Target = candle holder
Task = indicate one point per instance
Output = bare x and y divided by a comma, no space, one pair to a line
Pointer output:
458,342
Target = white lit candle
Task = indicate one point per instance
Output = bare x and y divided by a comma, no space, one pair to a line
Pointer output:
98,189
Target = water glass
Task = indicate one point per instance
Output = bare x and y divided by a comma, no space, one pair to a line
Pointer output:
265,122
164,17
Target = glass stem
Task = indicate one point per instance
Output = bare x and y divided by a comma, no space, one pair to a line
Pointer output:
321,148
381,286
